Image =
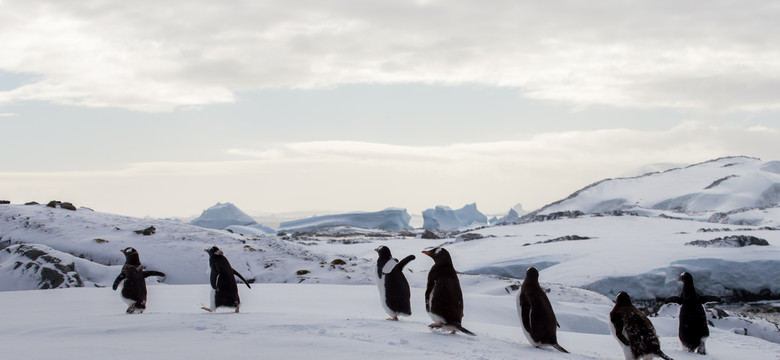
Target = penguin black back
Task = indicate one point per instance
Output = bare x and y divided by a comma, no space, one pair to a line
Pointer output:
393,287
132,278
536,313
443,295
223,283
693,329
633,330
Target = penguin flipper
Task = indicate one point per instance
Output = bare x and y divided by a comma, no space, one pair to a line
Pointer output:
213,279
118,280
153,273
406,260
242,278
617,322
673,299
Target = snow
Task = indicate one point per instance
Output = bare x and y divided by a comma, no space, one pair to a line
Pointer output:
306,304
390,219
445,218
720,185
636,254
298,321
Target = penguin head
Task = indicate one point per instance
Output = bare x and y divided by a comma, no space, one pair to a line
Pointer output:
532,274
439,255
622,299
685,277
131,256
214,251
384,252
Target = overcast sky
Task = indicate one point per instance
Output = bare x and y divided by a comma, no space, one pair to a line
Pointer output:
165,108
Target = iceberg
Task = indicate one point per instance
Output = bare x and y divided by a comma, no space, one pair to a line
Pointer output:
388,219
445,218
222,216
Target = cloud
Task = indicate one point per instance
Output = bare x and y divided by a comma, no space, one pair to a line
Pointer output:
160,56
349,175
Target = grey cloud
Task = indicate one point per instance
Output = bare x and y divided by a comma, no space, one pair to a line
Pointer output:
158,56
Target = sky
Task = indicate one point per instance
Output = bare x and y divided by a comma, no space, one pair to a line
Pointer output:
163,109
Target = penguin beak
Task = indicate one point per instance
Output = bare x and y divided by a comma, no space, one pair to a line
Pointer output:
679,278
377,249
206,250
426,252
122,251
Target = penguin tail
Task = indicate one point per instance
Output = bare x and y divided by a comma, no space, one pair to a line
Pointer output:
663,356
559,348
465,331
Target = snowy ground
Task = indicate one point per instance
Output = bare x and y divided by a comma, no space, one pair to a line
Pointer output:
298,321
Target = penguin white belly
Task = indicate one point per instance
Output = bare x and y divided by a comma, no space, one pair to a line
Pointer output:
626,349
528,334
436,318
380,282
214,297
121,287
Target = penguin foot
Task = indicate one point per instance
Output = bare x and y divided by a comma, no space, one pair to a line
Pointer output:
701,349
437,325
130,309
395,318
205,308
236,310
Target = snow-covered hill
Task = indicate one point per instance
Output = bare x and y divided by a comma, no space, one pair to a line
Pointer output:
91,241
727,190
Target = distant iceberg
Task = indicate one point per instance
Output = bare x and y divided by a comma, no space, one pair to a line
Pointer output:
388,219
510,218
444,218
222,216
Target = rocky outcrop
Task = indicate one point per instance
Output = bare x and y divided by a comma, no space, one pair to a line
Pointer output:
31,266
730,241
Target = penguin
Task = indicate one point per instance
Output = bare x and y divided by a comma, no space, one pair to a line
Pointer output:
536,313
693,330
443,296
224,290
634,332
393,288
133,283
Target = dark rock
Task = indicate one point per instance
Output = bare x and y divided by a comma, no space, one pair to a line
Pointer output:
32,203
428,234
5,202
730,241
561,238
148,231
53,203
469,237
68,206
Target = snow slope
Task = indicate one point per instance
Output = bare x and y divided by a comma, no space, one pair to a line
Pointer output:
637,254
699,191
291,321
92,241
